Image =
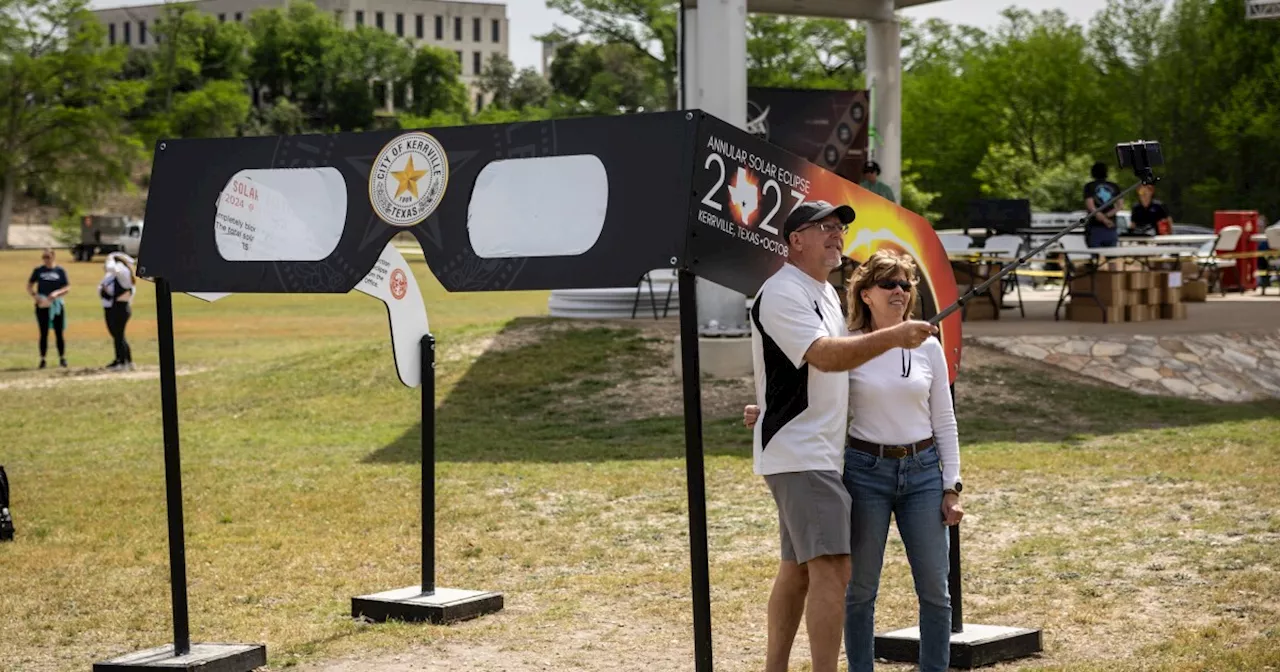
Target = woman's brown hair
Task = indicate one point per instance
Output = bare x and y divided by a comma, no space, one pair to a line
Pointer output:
883,265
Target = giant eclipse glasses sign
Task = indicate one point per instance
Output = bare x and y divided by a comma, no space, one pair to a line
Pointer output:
745,189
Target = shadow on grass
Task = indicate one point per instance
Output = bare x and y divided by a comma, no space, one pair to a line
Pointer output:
540,403
1036,403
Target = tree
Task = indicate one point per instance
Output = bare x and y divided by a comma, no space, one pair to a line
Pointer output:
529,89
195,77
646,26
496,80
433,75
62,103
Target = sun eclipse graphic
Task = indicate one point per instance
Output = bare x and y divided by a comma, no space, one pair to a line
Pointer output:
744,196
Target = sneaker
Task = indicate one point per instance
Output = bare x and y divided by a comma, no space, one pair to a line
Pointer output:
62,362
42,364
128,366
115,366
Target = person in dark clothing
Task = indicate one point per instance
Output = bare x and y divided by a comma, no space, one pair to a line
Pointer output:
116,291
1100,231
1149,217
47,285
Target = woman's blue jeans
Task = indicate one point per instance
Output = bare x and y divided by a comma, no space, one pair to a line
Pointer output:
911,489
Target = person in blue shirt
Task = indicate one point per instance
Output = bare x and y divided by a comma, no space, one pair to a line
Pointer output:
47,285
1100,231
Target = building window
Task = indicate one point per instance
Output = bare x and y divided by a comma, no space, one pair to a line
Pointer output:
439,27
377,20
128,27
459,53
359,17
417,26
142,32
399,25
337,16
457,28
475,62
111,33
475,30
238,17
222,18
479,101
496,25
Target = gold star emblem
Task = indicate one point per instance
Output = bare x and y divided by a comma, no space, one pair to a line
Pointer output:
408,179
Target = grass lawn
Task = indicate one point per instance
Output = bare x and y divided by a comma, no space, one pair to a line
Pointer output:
1139,533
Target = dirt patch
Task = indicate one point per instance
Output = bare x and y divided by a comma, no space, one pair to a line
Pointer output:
59,377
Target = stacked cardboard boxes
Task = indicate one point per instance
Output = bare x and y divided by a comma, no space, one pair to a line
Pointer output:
1127,296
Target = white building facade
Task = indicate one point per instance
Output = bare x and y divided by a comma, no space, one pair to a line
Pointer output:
472,30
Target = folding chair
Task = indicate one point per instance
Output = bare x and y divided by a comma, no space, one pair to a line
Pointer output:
653,301
1209,261
1009,248
1271,265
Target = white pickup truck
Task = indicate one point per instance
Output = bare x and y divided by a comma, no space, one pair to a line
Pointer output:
104,234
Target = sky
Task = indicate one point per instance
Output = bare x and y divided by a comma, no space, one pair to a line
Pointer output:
528,18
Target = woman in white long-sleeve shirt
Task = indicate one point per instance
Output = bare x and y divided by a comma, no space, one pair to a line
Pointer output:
902,458
116,291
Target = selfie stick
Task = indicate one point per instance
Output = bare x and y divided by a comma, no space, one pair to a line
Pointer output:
959,304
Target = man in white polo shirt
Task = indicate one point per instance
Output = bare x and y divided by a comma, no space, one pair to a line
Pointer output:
801,353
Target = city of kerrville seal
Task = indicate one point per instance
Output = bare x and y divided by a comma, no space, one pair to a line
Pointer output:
408,179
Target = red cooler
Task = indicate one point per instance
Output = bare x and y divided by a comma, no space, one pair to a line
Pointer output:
1244,275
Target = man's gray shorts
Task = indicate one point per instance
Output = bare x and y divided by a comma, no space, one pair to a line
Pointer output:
813,514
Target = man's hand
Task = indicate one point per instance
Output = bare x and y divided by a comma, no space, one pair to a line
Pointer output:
952,512
912,333
43,301
750,414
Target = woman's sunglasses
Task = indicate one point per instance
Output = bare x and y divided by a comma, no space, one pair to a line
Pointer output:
888,285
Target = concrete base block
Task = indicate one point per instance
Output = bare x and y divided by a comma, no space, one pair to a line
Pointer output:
201,658
728,357
445,605
977,646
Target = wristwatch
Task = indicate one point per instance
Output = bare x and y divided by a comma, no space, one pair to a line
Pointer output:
957,488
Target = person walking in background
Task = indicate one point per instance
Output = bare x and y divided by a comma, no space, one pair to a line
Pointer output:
116,290
47,285
871,181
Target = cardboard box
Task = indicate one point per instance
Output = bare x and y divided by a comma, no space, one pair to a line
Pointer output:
980,308
1109,287
1138,279
1088,311
1137,313
1171,295
1195,291
1173,311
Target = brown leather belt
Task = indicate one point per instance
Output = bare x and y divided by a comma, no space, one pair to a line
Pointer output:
895,452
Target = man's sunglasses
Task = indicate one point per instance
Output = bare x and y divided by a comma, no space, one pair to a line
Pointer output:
888,285
826,227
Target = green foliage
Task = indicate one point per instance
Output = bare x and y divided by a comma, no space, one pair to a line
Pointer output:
805,53
433,75
62,132
914,197
66,227
646,27
1006,172
609,78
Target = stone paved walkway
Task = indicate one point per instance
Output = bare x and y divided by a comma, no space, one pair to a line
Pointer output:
1225,367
